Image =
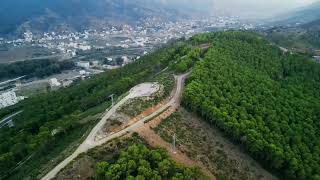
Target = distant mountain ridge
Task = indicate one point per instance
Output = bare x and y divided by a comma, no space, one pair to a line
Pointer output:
302,37
300,16
298,30
17,16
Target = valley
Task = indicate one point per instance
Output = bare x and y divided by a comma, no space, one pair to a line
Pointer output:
139,90
155,119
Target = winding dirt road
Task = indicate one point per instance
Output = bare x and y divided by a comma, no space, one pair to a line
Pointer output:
137,91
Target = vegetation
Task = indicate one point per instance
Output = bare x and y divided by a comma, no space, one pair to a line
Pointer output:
139,162
48,118
184,63
34,68
261,97
138,105
201,142
123,151
84,165
305,37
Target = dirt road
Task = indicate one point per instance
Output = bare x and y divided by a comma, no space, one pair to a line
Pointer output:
145,89
138,91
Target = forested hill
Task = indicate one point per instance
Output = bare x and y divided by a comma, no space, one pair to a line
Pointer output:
262,98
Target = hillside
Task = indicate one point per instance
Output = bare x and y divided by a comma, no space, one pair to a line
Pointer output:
299,16
261,98
17,16
303,37
51,123
34,68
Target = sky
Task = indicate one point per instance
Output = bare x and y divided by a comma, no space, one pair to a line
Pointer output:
246,8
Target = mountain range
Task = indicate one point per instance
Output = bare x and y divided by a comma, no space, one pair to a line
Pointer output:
298,29
299,16
17,16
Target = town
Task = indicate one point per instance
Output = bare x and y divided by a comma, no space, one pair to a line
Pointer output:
96,51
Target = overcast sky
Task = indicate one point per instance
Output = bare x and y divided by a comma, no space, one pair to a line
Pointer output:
245,7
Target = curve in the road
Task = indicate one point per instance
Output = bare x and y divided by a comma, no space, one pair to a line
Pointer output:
90,142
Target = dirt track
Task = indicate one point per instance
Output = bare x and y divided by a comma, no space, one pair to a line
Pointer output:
145,89
138,91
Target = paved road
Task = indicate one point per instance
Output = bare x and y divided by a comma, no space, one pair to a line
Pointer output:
6,120
90,142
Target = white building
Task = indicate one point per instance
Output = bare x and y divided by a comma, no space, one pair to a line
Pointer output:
54,83
7,99
83,64
126,60
109,67
82,72
84,47
28,36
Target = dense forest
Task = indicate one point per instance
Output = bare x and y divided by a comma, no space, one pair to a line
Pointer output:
48,119
34,68
139,163
261,97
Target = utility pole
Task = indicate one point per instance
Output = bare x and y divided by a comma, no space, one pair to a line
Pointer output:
111,96
174,144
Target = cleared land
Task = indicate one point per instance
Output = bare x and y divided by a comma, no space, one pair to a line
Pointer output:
205,144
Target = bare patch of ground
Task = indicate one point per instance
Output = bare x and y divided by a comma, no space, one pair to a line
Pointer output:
154,140
136,106
206,144
81,169
115,121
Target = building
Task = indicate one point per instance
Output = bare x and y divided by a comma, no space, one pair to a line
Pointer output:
82,72
83,64
54,83
126,60
84,47
109,67
8,99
